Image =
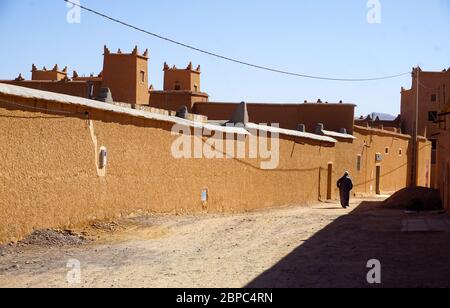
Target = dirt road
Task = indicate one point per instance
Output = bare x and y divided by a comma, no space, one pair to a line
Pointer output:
319,246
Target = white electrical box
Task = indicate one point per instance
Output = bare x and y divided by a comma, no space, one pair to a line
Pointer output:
103,159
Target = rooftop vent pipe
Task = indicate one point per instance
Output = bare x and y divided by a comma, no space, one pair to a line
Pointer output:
182,112
105,96
319,129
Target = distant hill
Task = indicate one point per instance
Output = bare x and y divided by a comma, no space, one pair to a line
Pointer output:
380,116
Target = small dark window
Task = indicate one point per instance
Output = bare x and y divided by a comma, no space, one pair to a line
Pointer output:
434,98
177,87
386,150
358,162
195,88
400,152
434,144
142,76
432,116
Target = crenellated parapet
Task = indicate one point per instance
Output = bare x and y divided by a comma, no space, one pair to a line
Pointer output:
134,52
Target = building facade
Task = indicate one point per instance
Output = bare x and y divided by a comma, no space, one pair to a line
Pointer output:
377,120
126,77
430,91
443,155
181,88
52,146
427,96
53,174
335,117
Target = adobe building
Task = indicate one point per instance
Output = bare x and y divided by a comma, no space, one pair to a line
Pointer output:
380,120
430,90
443,155
126,77
48,138
427,96
181,88
335,117
64,130
57,81
53,75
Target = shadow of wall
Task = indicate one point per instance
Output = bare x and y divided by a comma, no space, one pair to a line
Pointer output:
337,256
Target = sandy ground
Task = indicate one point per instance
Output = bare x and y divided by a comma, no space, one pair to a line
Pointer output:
320,246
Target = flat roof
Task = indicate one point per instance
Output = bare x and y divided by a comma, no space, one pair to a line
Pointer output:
46,81
383,131
178,92
12,90
338,135
296,104
22,92
288,132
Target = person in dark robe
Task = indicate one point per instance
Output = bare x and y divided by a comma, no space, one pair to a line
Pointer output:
345,185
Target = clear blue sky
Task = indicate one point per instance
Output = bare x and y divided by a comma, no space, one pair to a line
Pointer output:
321,37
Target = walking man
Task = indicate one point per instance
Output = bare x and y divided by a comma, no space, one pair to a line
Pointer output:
345,185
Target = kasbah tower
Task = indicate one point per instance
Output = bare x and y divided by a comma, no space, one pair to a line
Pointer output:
127,76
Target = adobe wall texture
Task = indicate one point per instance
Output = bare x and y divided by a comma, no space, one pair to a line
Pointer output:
74,88
48,75
394,150
174,100
395,164
407,108
187,79
425,166
49,179
121,73
142,95
443,167
334,116
433,93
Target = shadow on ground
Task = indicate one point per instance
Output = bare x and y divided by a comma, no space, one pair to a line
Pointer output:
337,256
